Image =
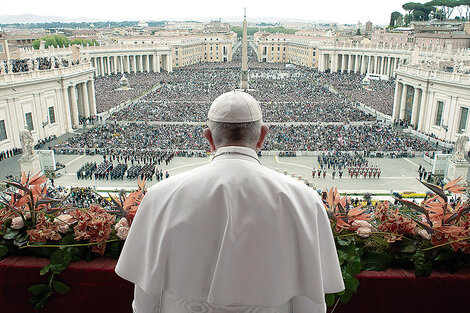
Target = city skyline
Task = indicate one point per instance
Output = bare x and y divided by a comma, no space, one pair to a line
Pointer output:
298,10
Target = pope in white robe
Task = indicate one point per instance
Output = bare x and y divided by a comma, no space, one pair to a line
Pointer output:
232,235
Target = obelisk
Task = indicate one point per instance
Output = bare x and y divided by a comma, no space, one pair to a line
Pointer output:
244,83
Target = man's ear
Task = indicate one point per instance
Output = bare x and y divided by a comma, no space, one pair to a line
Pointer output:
262,136
208,135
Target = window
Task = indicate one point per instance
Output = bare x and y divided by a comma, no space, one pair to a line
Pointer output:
51,115
463,119
3,131
29,121
440,108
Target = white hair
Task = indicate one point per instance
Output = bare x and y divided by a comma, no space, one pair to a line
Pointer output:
247,133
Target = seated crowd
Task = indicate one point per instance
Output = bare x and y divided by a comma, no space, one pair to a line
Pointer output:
184,137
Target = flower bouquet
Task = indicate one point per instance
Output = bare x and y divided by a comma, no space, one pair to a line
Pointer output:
32,222
434,234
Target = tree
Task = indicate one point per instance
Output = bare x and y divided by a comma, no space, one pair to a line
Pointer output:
62,41
445,6
394,19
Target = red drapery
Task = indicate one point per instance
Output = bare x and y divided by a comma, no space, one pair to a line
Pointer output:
96,288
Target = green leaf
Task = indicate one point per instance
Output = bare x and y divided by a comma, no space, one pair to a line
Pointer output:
341,256
57,256
351,283
375,261
45,270
38,289
3,250
410,248
43,300
346,297
330,299
445,255
60,287
353,268
343,242
423,266
57,268
68,239
10,234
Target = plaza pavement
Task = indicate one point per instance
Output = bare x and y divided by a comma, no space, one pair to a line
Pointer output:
397,174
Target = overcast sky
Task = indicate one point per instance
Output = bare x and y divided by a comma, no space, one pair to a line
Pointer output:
341,11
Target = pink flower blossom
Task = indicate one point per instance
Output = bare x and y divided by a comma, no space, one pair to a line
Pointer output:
63,222
17,223
122,223
360,223
122,232
423,233
363,231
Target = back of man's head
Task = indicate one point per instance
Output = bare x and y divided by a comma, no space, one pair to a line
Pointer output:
235,118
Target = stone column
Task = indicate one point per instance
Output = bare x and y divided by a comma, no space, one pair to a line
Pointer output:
363,64
369,62
416,107
66,108
134,61
343,64
350,67
128,59
397,101
376,61
121,64
102,66
403,102
148,63
115,64
157,63
74,105
91,97
357,60
169,64
85,100
108,65
93,63
334,63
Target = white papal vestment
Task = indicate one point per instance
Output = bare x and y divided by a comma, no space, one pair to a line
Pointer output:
229,233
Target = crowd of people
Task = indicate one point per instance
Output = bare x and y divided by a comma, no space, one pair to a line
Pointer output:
77,197
379,94
9,153
286,94
109,93
135,137
356,163
26,65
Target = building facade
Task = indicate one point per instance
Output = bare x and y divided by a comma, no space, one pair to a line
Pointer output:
48,102
285,48
433,101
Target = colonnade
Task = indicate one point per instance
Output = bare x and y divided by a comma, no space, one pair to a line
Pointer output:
81,101
131,63
355,62
407,103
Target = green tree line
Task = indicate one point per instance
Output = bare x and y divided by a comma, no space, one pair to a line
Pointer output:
274,30
62,41
439,9
50,25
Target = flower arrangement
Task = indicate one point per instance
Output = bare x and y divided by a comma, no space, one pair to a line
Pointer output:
32,221
431,234
373,235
